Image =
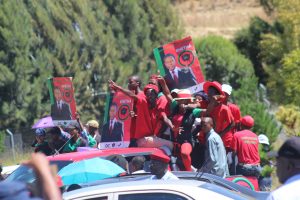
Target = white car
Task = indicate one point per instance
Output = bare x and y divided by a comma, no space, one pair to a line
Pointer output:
154,190
9,169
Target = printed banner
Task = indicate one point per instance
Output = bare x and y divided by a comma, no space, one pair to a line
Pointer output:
63,105
179,64
115,132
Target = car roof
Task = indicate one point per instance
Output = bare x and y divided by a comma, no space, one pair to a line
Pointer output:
77,156
216,179
192,188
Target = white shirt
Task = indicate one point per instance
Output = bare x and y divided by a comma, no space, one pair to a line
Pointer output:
167,176
176,69
139,172
289,190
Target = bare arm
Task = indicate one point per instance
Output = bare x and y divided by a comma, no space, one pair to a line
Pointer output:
41,166
79,121
165,88
167,121
114,86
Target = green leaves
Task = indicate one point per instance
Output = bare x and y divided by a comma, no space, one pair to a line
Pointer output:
91,41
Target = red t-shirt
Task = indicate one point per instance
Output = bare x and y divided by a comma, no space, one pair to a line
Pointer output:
148,121
162,104
235,111
245,144
137,111
222,117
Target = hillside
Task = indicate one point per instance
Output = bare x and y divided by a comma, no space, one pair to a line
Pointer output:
219,17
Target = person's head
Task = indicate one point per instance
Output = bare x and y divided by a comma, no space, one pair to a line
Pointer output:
153,80
92,126
174,93
134,82
247,122
119,160
227,89
137,163
57,93
159,165
151,92
40,135
213,90
184,96
74,132
113,111
206,124
264,141
55,133
169,62
200,96
288,159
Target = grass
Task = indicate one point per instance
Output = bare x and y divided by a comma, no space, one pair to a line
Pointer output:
7,159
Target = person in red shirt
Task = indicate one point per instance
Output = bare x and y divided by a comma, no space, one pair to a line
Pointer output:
220,113
162,102
235,110
245,146
149,118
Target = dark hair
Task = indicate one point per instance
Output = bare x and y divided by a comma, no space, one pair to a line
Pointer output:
113,104
201,94
138,162
119,160
137,79
169,55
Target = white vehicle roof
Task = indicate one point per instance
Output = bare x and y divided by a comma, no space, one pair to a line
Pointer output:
9,169
191,189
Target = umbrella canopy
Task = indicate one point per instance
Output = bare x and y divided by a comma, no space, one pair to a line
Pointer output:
89,170
45,122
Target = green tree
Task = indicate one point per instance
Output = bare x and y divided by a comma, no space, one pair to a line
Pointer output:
92,41
224,63
289,116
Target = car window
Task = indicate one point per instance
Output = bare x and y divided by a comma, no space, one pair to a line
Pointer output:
99,198
151,196
25,174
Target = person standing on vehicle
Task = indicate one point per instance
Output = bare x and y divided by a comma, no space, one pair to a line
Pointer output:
149,117
235,110
40,143
215,153
220,113
159,168
245,146
288,170
77,140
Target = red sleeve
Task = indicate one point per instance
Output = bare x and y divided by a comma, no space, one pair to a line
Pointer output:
236,113
226,118
234,143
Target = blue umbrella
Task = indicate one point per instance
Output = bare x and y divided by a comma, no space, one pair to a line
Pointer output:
89,170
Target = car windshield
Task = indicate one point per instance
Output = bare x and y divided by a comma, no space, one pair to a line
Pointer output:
26,174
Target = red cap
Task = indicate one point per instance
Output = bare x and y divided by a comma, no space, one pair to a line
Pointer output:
214,84
151,86
184,94
247,121
160,157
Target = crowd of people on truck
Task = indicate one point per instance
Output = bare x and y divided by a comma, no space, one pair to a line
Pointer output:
203,130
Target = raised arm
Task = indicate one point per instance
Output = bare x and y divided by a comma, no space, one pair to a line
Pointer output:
165,88
114,86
